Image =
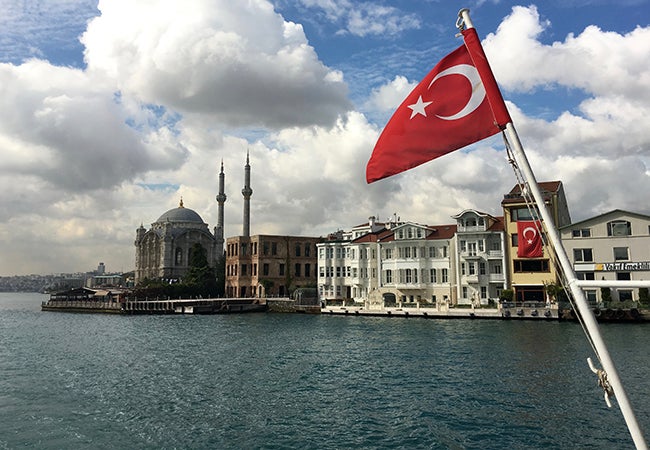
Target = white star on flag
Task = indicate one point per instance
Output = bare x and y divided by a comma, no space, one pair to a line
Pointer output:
418,107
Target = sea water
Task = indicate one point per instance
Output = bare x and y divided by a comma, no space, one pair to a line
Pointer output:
294,381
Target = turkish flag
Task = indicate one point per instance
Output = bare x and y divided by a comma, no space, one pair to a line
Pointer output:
451,107
529,241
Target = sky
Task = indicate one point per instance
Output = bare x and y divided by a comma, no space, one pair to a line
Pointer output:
112,110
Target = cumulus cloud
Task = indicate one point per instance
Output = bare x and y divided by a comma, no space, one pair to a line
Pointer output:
170,90
240,63
56,124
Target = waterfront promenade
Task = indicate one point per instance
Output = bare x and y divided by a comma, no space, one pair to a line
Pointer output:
530,312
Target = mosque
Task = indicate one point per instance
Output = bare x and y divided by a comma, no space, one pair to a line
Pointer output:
165,250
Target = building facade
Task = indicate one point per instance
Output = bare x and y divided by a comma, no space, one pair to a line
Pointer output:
528,276
480,258
611,246
269,266
164,251
388,263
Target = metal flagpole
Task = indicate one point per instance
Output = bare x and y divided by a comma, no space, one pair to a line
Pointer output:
584,310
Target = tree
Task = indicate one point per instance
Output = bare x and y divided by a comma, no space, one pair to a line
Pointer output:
605,295
200,278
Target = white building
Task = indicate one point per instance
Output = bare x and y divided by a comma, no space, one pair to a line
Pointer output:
480,258
612,246
386,263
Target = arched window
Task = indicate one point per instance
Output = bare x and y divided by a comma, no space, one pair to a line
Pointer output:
178,258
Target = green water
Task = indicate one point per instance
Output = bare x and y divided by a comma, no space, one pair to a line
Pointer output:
283,381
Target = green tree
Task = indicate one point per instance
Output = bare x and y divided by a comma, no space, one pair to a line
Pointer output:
200,278
605,295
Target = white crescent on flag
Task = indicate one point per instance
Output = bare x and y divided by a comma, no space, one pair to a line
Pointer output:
529,239
478,90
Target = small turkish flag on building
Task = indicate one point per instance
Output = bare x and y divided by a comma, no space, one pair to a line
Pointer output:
529,239
453,106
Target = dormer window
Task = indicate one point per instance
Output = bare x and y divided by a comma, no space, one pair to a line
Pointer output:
619,228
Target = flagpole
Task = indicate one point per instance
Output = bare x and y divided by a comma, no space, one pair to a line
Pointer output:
584,310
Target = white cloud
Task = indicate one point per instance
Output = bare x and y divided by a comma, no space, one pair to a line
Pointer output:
240,63
172,88
365,18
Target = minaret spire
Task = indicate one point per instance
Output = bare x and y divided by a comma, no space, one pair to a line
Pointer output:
221,199
247,192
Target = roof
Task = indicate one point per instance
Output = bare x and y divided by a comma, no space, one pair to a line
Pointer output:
181,214
546,187
614,212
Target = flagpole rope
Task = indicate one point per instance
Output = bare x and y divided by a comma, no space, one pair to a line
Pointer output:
530,204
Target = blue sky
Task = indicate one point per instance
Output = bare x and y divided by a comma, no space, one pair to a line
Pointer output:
112,111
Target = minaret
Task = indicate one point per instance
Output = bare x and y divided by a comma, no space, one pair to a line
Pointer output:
221,199
247,192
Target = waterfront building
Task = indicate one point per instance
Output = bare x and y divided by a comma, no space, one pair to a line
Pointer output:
528,276
164,251
611,246
480,258
416,264
348,263
268,266
387,263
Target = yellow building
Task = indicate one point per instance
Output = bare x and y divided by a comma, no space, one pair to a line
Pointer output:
529,275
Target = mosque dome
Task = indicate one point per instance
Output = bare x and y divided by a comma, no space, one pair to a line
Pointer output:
180,214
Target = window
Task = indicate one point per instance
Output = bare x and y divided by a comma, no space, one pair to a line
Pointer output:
389,253
515,240
472,268
265,248
483,292
619,228
481,268
522,214
432,275
307,270
297,270
623,276
445,276
585,276
496,268
620,253
179,256
531,265
462,269
464,294
265,269
582,232
281,270
625,295
389,276
244,270
307,250
591,295
409,278
297,249
582,255
432,252
274,248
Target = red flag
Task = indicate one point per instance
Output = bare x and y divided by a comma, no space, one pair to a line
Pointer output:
529,242
446,111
